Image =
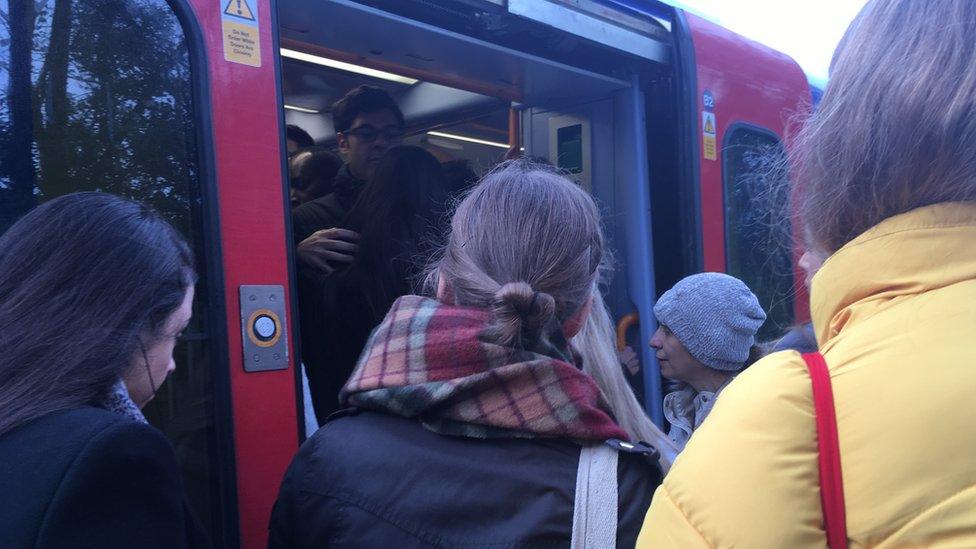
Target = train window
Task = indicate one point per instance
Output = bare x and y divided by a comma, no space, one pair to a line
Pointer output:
758,248
88,104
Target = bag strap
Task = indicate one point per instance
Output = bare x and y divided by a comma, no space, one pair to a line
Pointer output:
828,446
595,505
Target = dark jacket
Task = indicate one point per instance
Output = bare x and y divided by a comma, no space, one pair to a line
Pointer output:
327,211
377,480
332,342
328,350
89,478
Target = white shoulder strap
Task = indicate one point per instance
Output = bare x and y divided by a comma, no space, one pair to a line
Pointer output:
595,508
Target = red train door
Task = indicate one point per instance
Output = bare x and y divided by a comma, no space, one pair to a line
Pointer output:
746,96
238,68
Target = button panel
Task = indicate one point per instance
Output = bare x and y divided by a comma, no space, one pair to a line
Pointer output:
263,330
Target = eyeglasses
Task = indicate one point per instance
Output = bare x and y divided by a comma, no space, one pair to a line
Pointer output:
369,134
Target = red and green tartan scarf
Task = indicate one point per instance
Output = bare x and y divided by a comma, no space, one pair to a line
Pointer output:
428,360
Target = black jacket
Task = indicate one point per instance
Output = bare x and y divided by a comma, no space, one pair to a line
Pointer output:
89,478
327,211
376,480
331,338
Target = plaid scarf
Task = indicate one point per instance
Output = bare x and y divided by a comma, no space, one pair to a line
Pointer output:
430,361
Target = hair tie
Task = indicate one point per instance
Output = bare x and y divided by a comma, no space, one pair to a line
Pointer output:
535,297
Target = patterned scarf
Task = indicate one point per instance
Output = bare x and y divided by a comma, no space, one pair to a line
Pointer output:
429,360
117,400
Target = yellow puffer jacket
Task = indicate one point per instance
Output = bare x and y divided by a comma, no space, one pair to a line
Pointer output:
895,312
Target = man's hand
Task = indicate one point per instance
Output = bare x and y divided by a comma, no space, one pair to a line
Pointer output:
325,248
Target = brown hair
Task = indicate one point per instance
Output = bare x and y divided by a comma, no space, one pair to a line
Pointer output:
525,243
895,128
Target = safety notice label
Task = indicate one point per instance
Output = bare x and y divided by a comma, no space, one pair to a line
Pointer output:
708,135
242,39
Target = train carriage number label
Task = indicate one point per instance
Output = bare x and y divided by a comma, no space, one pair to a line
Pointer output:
708,126
242,37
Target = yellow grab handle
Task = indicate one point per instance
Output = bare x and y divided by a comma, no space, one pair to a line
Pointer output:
623,325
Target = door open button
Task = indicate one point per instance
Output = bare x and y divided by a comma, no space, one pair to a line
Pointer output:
265,328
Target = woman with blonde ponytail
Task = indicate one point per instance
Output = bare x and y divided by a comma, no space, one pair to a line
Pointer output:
596,346
472,420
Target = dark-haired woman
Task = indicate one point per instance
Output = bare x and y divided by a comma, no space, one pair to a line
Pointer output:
887,190
94,290
399,215
473,423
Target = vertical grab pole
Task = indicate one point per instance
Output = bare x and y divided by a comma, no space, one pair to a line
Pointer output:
514,128
632,190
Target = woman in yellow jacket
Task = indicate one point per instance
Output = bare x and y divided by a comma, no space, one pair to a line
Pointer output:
887,175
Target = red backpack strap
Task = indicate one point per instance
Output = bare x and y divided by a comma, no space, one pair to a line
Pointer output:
831,482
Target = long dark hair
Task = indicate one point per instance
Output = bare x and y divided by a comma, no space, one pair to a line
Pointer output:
85,279
401,216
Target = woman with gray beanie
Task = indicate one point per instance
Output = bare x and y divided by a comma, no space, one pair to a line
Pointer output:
706,334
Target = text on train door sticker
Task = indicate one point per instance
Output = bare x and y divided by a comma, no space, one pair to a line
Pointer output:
708,135
242,38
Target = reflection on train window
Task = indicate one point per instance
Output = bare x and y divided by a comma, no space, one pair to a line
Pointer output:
758,246
88,104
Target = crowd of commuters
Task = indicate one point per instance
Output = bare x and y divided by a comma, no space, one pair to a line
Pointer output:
461,358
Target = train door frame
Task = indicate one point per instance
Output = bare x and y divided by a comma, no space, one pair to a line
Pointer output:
222,458
626,91
248,210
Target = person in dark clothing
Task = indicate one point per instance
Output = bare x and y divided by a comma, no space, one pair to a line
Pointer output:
312,173
417,488
297,138
400,215
325,213
459,175
367,122
94,290
473,422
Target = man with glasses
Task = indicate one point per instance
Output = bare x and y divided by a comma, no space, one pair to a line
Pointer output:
368,123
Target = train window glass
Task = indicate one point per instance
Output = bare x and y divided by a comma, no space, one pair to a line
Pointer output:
86,103
569,148
758,248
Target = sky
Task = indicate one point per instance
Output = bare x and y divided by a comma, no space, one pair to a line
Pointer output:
806,30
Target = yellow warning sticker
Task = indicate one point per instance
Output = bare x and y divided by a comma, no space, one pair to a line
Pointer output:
242,37
709,147
709,150
239,8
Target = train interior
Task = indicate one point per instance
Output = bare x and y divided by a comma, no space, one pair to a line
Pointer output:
474,82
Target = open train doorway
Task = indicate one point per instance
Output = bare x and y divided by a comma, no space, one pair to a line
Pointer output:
476,82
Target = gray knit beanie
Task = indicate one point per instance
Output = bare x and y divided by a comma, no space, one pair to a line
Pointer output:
715,316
